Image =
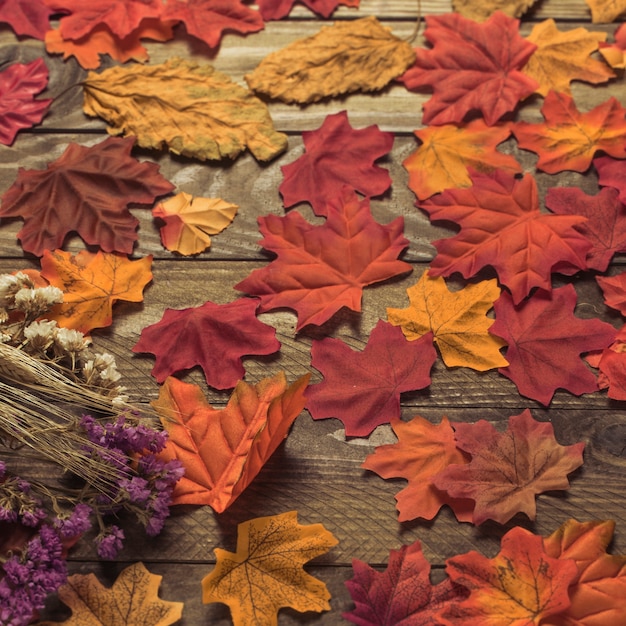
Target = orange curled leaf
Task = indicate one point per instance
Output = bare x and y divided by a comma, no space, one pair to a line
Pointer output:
266,572
92,284
223,450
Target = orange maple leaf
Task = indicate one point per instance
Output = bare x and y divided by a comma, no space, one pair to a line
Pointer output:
561,57
446,153
91,284
133,598
598,593
568,139
457,320
606,10
223,450
422,451
521,586
266,572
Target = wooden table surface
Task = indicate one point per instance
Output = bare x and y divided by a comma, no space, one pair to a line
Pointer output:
317,471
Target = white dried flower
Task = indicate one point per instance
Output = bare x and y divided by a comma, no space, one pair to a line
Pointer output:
10,284
34,302
40,335
70,340
4,338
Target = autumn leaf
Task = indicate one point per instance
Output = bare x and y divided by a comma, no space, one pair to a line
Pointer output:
190,221
19,84
122,17
521,586
561,57
614,291
277,9
598,591
101,40
362,388
423,450
458,321
223,450
605,227
606,10
568,139
193,109
615,53
480,11
359,55
612,173
87,191
612,365
321,269
402,595
26,17
545,341
471,67
133,599
92,284
447,152
213,336
266,573
502,227
208,19
336,155
507,470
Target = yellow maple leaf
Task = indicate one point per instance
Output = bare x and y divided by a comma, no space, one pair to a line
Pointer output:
190,221
480,11
133,600
604,11
457,320
447,151
266,572
193,109
91,284
360,55
561,57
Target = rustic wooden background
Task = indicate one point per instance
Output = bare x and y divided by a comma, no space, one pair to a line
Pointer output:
317,472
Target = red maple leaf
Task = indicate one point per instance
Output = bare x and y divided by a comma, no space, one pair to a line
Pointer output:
86,190
207,19
19,83
568,139
121,16
509,469
545,341
336,155
321,269
26,17
402,595
362,389
502,226
605,227
612,365
277,9
612,173
213,336
471,67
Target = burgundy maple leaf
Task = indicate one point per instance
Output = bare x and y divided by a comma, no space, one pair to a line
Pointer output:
26,17
213,336
336,155
277,9
612,173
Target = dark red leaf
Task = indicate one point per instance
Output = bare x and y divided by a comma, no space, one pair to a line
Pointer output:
612,173
26,17
277,9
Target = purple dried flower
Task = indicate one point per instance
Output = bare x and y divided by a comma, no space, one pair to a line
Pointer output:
76,523
110,542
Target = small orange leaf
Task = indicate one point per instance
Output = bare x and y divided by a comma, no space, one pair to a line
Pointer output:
133,599
446,153
189,221
91,284
266,572
457,320
223,450
604,11
561,57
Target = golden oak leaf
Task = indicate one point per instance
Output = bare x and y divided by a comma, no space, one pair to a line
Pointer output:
598,594
266,572
190,221
359,55
457,320
223,450
480,11
193,109
446,153
101,40
561,57
133,600
606,10
91,284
